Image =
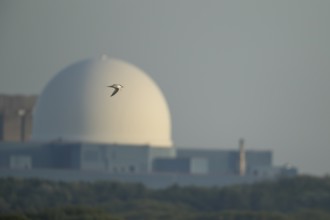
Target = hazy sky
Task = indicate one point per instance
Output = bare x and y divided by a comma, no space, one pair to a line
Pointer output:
229,69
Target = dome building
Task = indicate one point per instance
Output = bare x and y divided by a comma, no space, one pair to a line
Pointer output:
76,106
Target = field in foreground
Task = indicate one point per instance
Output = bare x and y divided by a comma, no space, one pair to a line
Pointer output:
302,197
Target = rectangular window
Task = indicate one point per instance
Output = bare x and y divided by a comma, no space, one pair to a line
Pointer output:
20,162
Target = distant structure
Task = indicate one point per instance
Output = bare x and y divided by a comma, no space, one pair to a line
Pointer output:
76,132
16,117
242,161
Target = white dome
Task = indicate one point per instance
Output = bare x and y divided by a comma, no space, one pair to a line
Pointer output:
76,106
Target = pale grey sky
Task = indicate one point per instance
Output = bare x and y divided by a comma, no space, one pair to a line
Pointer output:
229,69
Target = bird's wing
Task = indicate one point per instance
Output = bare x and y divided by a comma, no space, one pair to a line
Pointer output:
115,91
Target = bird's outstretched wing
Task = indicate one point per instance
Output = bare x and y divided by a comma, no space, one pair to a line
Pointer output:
115,91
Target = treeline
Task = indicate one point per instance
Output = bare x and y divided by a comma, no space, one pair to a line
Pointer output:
302,197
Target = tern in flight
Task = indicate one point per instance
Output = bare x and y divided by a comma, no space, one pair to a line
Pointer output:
116,87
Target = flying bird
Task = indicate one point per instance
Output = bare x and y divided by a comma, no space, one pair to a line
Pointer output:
117,87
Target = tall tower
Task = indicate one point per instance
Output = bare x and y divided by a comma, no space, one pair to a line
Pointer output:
242,160
22,115
2,126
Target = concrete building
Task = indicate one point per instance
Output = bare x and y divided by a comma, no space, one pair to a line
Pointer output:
79,132
16,117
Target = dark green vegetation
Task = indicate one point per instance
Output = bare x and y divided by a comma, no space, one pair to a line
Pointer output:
299,198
